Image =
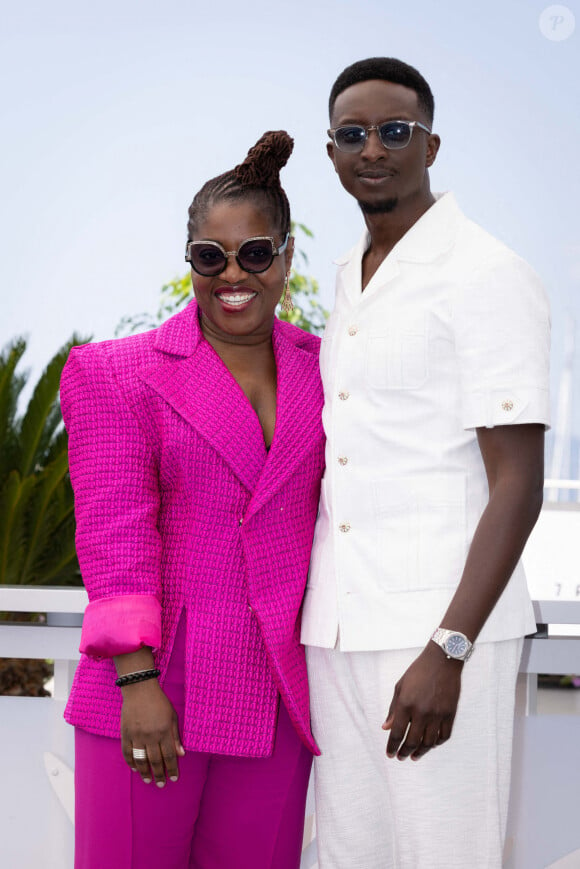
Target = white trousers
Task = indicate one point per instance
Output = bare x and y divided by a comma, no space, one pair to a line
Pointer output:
446,811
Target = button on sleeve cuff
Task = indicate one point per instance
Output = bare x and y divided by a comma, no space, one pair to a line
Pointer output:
488,408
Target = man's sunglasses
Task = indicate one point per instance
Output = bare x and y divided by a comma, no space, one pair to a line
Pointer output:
394,135
254,255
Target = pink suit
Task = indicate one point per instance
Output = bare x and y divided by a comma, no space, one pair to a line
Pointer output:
180,508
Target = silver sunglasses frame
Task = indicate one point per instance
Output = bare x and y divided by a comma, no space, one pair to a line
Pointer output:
412,124
276,251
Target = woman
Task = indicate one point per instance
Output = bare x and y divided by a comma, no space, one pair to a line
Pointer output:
196,452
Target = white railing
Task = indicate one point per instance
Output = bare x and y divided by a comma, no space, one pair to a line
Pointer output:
37,747
561,484
37,757
56,640
553,488
543,831
548,652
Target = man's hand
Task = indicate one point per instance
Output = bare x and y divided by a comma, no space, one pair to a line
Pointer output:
149,721
424,705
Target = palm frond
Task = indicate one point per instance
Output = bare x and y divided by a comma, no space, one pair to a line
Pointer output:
58,444
60,566
14,500
41,511
42,415
11,385
37,527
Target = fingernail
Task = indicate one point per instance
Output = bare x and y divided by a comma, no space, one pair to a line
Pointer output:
133,769
147,781
160,784
173,777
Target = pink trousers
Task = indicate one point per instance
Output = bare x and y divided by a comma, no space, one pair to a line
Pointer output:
222,813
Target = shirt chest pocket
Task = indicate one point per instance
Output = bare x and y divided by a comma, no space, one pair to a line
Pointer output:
397,356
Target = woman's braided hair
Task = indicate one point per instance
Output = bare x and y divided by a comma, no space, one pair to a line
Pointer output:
258,178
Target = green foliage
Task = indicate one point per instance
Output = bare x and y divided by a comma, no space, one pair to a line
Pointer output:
308,313
36,500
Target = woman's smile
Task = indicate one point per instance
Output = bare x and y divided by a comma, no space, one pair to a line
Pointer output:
235,298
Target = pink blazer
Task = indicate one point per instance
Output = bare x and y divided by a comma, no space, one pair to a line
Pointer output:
180,509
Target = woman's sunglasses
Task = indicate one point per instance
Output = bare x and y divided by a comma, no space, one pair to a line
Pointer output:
394,135
254,255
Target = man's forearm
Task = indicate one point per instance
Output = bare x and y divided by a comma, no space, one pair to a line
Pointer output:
496,547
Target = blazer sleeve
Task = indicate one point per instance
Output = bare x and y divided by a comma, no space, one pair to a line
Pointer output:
114,475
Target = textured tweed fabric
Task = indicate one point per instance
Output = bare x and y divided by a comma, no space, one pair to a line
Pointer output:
177,500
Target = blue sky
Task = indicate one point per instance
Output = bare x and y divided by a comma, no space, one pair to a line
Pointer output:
114,113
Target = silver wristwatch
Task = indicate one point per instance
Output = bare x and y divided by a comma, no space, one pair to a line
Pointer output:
454,644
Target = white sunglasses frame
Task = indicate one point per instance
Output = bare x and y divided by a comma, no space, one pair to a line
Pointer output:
411,124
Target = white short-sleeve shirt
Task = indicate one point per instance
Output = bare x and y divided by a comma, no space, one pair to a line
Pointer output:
451,334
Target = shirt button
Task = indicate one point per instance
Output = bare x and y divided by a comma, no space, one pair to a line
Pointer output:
344,527
343,395
343,460
507,405
352,330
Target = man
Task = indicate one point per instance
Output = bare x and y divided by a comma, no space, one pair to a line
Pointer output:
435,370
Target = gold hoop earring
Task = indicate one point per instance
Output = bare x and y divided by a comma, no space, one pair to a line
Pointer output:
287,305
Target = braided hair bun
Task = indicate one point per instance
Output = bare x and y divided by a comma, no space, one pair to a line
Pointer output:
261,168
257,178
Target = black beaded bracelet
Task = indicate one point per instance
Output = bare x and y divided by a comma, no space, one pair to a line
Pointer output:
138,676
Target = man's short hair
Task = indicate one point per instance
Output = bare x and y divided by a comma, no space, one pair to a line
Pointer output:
386,69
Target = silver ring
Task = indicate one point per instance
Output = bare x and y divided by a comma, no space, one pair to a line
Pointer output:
140,753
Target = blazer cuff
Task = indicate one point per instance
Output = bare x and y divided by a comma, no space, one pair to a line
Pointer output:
117,625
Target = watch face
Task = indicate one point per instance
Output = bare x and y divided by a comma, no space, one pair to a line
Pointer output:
456,646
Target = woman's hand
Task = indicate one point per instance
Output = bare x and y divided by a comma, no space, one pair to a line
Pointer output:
424,704
149,721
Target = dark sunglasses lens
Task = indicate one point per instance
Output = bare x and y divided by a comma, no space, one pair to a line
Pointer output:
395,134
350,138
207,259
256,255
